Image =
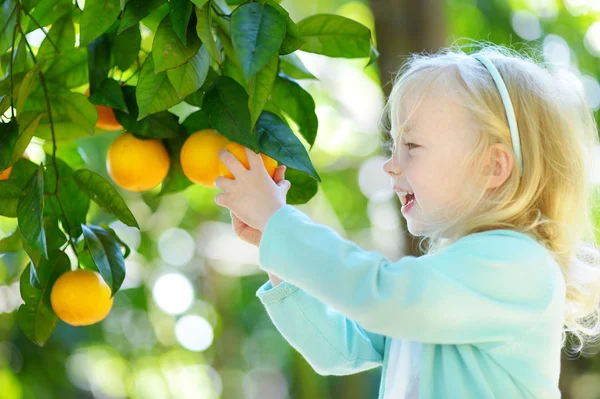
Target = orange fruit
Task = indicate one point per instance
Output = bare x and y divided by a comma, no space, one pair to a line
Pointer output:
240,153
106,117
199,156
81,297
5,174
137,164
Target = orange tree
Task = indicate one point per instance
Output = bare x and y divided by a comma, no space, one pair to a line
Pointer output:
232,60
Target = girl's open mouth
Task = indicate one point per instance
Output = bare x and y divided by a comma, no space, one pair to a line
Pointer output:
410,199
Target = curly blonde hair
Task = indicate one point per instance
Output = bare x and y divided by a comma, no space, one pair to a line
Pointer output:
554,199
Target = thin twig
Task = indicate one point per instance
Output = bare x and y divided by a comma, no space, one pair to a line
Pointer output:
54,147
42,28
12,90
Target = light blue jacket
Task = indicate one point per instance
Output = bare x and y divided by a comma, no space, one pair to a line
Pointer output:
488,309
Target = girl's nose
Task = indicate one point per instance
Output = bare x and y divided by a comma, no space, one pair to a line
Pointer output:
390,168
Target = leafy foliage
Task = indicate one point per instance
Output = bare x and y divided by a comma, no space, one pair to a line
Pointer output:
140,58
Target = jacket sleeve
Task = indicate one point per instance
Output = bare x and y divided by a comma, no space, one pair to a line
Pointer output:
486,287
331,343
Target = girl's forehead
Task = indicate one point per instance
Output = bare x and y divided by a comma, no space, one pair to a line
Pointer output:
437,117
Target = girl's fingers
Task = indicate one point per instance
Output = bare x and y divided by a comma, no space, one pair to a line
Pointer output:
279,173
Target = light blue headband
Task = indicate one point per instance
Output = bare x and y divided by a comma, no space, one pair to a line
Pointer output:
508,107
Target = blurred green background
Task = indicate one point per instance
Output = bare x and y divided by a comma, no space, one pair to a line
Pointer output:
186,323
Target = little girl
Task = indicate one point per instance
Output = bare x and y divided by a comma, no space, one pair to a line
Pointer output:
491,161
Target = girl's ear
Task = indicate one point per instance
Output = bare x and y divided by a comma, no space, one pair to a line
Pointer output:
500,165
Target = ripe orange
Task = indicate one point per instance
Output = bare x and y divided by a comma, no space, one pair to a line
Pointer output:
240,153
137,164
199,156
106,117
5,174
81,297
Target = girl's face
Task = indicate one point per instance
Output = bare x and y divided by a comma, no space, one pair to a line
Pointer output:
427,161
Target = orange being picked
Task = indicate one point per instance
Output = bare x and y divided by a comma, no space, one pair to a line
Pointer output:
199,156
240,153
81,297
137,164
106,117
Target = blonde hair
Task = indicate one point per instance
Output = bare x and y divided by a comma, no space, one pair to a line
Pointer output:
552,202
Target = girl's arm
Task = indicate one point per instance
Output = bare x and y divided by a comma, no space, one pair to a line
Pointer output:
330,343
487,287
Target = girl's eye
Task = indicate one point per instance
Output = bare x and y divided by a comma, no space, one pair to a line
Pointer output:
409,144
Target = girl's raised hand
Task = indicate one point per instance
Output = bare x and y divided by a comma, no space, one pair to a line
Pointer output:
245,232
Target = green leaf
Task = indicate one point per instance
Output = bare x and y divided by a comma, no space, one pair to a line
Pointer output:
224,40
168,51
69,69
136,10
199,3
293,67
30,211
293,38
292,99
204,31
106,254
8,20
97,17
176,180
48,11
257,31
22,61
196,121
109,94
11,243
98,61
335,36
276,139
197,97
9,132
68,152
5,94
62,34
189,77
116,237
181,11
55,239
36,317
22,172
373,55
27,85
154,91
304,187
34,280
105,195
226,103
259,88
10,192
74,202
67,108
28,123
160,125
126,47
233,70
